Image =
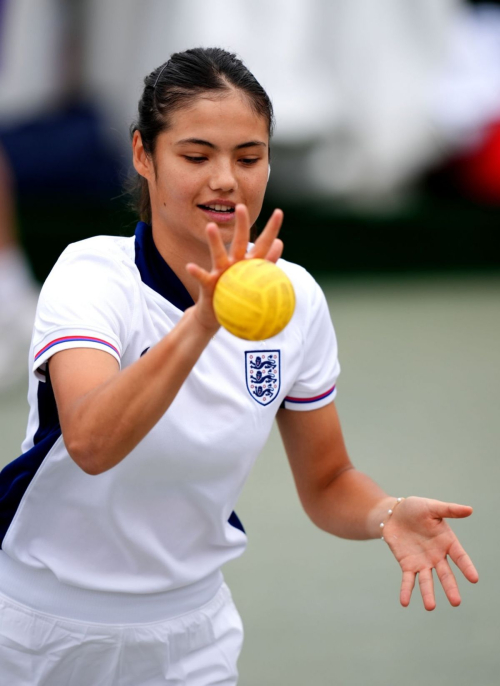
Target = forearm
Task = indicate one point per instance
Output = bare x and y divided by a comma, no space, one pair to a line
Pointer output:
351,506
108,422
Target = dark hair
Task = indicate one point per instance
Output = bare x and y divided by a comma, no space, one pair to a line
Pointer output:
176,84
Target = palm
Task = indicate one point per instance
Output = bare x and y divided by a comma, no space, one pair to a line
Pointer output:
421,541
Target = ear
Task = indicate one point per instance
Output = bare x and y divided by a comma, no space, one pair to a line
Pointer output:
143,163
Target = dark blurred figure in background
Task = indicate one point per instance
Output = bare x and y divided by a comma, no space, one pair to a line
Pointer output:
53,154
18,291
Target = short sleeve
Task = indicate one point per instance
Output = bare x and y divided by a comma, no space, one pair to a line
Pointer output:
86,302
315,385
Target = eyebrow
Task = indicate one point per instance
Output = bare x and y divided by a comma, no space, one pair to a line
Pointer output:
200,141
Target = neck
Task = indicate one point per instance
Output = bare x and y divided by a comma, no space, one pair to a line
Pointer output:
178,253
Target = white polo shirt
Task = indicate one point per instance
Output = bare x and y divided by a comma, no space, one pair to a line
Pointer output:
163,518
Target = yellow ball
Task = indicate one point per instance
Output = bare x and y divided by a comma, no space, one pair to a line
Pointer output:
254,299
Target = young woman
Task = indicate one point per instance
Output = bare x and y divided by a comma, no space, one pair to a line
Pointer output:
118,516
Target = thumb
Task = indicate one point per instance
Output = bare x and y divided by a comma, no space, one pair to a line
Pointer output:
202,276
452,510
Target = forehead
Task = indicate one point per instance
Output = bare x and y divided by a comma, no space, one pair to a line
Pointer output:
218,118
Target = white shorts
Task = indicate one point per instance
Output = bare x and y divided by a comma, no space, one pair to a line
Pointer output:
198,648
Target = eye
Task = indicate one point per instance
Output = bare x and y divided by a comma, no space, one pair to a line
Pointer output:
249,160
196,160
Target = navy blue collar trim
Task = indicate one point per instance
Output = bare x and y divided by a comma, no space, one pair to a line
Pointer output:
155,272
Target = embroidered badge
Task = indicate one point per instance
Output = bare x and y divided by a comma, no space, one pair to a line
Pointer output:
263,374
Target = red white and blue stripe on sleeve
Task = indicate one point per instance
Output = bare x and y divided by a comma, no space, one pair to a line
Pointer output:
75,339
315,399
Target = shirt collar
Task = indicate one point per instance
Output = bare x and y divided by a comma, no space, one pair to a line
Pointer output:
155,272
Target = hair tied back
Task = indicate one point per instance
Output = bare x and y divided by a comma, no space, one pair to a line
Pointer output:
161,72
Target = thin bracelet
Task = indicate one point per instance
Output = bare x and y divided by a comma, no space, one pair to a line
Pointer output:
389,512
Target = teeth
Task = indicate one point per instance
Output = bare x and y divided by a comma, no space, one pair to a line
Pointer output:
220,208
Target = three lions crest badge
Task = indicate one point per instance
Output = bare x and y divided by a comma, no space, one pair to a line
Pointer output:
263,374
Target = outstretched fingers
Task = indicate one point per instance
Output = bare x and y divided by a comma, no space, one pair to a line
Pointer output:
426,583
463,562
265,242
241,233
448,582
266,247
275,251
218,252
407,586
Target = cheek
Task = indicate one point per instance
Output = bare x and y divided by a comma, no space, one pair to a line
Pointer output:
256,192
178,187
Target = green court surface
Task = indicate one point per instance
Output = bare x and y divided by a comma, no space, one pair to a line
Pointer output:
419,398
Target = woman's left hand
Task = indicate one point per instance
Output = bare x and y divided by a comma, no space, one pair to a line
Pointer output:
421,541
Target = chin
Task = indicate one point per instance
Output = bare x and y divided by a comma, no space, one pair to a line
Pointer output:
226,230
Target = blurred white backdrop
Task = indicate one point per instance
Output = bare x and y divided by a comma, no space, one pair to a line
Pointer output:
371,94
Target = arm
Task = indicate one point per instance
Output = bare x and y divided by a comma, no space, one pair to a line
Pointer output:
337,497
347,503
104,412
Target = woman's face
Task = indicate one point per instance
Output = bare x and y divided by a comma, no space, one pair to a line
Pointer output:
214,155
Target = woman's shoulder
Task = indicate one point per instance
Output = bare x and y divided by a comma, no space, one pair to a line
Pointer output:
98,254
310,300
113,249
299,276
92,262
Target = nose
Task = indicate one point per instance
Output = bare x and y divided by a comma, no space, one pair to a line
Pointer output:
223,178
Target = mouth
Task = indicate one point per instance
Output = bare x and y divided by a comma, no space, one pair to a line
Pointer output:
218,212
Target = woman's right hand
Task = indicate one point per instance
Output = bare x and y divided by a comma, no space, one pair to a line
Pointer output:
267,247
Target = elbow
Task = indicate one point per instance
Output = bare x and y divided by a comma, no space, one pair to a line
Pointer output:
90,468
314,508
84,455
320,514
322,502
317,516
